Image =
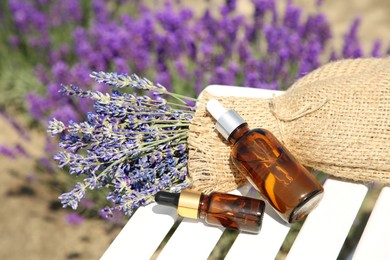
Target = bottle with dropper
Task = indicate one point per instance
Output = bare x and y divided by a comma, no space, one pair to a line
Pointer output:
217,209
281,180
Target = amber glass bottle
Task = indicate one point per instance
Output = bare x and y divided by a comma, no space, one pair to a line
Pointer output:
218,209
287,185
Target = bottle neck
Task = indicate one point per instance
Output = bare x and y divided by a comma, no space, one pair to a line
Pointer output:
203,206
228,122
238,133
188,205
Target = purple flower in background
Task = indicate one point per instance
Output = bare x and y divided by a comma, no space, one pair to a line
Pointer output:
164,77
292,17
60,70
26,16
82,46
376,48
229,7
19,149
65,113
316,27
121,65
100,11
63,12
351,48
47,163
38,105
74,219
170,44
7,152
87,204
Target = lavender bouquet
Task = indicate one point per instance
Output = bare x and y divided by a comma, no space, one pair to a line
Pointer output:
133,145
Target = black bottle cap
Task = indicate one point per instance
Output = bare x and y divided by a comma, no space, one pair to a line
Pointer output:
167,198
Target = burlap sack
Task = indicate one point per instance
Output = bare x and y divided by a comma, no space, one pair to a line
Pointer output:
335,119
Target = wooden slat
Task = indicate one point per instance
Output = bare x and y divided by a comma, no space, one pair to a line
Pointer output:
375,240
325,229
191,240
267,243
221,90
142,234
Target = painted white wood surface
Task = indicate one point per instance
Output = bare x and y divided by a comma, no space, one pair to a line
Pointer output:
325,229
192,240
142,234
322,235
249,246
375,240
227,91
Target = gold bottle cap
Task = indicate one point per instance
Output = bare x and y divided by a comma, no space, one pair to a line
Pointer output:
189,204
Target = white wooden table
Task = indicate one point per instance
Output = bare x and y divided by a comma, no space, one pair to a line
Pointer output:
321,236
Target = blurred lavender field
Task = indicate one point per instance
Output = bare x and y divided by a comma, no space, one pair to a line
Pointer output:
184,50
183,46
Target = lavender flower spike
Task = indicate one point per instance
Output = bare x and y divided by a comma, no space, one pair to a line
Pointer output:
123,80
55,127
73,197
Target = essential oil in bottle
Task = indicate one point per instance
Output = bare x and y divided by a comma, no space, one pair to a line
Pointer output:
286,184
218,209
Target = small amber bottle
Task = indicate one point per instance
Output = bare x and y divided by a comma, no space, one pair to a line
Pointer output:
218,209
288,186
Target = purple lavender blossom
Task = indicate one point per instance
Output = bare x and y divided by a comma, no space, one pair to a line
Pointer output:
292,17
74,219
352,48
7,152
106,212
66,11
376,48
73,197
87,204
26,16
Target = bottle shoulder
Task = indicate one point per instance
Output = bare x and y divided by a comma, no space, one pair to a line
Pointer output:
253,134
261,131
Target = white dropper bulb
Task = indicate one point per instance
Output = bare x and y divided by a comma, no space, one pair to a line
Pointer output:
227,120
215,108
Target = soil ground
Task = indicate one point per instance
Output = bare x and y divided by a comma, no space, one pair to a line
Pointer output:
33,223
32,228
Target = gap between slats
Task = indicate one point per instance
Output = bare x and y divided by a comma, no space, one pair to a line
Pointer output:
374,242
325,229
142,234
